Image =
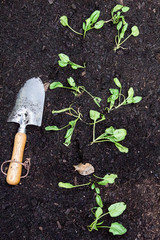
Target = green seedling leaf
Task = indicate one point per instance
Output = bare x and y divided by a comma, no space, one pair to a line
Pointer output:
120,134
98,212
99,24
99,201
121,148
84,26
117,7
69,132
97,190
117,209
110,130
76,66
93,186
94,115
64,21
109,178
125,9
56,85
52,128
124,29
94,16
64,58
72,123
130,93
135,31
119,25
71,82
68,141
137,99
117,82
62,64
65,185
117,229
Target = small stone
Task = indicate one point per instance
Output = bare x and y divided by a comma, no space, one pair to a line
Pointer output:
74,6
50,1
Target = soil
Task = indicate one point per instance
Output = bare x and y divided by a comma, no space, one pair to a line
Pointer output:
31,39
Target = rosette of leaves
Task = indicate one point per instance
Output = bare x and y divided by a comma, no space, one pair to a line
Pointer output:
65,60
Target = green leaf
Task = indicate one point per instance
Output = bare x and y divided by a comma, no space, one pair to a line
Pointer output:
97,190
60,111
99,24
72,123
62,64
56,85
71,82
52,128
117,229
69,132
110,178
94,115
119,25
130,93
93,186
117,209
88,21
68,141
64,21
121,148
98,212
64,58
110,130
94,16
84,26
137,99
117,82
135,31
117,7
125,9
99,201
124,29
65,185
75,66
120,134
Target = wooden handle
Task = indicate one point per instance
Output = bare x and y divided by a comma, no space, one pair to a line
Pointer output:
15,169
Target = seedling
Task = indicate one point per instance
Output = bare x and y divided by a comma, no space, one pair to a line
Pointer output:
122,25
114,210
116,95
72,112
91,22
110,134
77,90
64,22
64,61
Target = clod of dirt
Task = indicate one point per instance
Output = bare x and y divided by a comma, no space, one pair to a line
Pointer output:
50,1
84,169
46,86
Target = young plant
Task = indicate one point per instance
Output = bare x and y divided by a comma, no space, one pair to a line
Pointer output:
110,134
114,210
64,61
91,22
116,95
122,25
72,112
75,89
64,22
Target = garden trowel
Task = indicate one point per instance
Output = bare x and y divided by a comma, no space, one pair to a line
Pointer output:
28,110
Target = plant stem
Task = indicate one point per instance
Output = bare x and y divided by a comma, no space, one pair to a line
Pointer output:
110,20
74,31
94,126
103,226
125,39
81,185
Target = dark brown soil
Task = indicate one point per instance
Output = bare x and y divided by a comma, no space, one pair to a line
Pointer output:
31,39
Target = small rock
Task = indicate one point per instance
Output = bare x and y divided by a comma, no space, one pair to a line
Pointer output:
74,6
50,1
